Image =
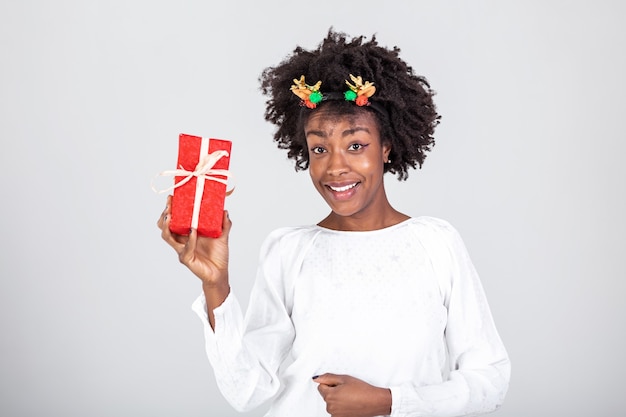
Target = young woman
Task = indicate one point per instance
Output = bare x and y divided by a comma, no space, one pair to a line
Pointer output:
370,312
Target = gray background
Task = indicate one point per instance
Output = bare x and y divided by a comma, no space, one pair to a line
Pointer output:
95,309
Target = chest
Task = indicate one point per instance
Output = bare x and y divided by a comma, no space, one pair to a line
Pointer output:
380,294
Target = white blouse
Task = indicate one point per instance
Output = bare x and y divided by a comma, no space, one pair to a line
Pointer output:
400,308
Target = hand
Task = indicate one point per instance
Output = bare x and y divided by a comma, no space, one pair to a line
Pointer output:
346,396
206,257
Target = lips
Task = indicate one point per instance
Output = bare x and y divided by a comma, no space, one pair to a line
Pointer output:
342,191
342,188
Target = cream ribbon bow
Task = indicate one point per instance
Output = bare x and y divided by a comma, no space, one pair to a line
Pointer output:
203,171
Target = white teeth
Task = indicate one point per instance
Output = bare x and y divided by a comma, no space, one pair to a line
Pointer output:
341,189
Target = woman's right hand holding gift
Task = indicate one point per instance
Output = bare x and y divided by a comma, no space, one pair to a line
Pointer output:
206,257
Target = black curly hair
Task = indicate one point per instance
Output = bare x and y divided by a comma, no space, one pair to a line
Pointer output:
408,117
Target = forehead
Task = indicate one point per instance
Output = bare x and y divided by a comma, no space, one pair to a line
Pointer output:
323,120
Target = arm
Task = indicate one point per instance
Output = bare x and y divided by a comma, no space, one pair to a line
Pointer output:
245,358
479,367
246,352
206,257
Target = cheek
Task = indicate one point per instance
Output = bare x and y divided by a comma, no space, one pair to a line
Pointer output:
314,169
370,165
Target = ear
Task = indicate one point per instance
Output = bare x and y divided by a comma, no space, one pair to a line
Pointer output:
386,151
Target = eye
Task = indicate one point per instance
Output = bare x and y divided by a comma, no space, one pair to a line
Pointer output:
356,147
317,150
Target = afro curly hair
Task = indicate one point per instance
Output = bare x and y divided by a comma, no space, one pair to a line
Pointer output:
408,117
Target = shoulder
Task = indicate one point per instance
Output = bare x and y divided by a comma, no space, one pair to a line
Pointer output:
289,238
438,237
291,233
433,227
282,253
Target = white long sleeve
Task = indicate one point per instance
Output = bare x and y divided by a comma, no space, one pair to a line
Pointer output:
400,307
478,363
246,357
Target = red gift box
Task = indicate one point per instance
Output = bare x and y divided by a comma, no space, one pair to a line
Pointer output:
202,165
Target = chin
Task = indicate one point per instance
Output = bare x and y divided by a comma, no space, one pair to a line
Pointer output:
343,212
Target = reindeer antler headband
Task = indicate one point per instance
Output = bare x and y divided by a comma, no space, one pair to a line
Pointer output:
311,96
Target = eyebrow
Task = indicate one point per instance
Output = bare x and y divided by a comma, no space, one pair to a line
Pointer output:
347,132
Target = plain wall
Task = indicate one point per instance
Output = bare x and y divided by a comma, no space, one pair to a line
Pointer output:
95,309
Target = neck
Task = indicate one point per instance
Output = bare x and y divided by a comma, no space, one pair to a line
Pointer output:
363,223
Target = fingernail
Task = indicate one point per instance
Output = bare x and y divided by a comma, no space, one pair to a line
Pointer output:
316,376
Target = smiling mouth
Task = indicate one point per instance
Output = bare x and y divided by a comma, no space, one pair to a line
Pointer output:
344,188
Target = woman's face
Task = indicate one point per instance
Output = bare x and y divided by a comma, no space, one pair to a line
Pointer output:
346,163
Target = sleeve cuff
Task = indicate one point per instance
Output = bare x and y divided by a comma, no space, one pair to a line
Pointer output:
405,402
200,308
228,324
396,400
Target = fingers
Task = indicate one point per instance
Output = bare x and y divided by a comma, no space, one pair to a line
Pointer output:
187,246
324,390
165,213
226,223
189,249
327,384
330,380
164,224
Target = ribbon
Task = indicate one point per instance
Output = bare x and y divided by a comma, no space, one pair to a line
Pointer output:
203,171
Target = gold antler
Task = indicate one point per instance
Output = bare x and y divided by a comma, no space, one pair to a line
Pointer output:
309,94
359,88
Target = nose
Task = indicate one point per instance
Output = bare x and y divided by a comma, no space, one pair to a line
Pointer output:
337,164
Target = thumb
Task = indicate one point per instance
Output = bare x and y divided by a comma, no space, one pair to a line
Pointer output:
189,249
331,380
226,223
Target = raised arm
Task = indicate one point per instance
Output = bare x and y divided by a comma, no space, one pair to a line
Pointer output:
206,257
